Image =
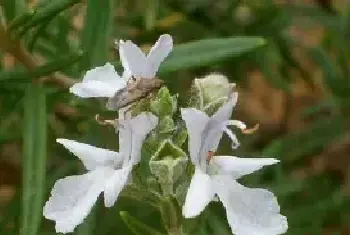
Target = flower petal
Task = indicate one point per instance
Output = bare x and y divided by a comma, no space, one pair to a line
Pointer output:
132,133
250,211
91,156
238,167
101,81
73,197
157,54
234,141
217,121
115,184
92,89
132,58
224,112
196,122
199,194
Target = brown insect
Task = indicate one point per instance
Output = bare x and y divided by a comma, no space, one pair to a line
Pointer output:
135,90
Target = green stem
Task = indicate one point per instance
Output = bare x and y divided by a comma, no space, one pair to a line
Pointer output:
171,215
175,231
167,189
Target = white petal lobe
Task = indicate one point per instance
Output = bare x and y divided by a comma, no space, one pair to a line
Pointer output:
157,54
132,58
133,132
224,112
115,185
199,194
196,122
92,89
73,197
101,81
217,121
104,73
141,125
91,156
135,61
250,211
238,167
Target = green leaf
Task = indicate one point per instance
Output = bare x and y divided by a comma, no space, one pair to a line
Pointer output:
44,70
36,34
28,158
62,39
95,37
217,225
271,56
20,20
87,228
136,226
164,104
141,194
34,158
43,14
40,158
331,76
286,186
208,51
171,215
151,12
294,146
12,8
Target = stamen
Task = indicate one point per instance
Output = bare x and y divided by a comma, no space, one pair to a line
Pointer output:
251,130
239,124
233,137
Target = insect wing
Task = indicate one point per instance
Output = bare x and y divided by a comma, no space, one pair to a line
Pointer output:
133,92
119,100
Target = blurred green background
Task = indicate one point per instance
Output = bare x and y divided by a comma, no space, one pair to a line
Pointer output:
296,86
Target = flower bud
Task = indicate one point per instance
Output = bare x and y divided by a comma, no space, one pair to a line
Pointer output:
164,104
168,164
210,92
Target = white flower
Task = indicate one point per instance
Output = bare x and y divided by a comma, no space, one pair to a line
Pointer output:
104,81
137,64
73,197
101,81
249,211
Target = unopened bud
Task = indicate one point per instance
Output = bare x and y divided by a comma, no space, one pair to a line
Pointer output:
168,164
164,104
211,92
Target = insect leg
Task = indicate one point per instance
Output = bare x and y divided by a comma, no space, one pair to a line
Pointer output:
104,122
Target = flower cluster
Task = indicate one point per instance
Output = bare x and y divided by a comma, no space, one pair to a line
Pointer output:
249,211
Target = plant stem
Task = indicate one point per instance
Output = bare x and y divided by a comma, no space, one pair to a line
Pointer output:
175,231
167,189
